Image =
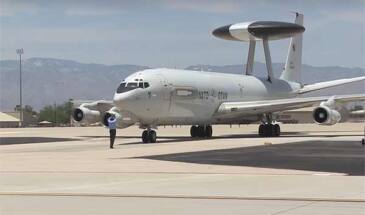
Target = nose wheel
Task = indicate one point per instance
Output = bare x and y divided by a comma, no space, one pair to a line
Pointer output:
201,131
149,136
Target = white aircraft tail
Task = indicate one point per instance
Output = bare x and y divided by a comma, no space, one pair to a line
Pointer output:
293,65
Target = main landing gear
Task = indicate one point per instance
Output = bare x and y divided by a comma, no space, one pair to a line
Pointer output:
205,131
268,128
149,136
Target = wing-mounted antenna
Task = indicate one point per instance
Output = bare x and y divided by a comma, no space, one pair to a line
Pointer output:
258,31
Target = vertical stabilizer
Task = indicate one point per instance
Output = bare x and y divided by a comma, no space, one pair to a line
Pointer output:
293,65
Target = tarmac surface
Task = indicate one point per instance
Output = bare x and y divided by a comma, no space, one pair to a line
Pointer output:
310,169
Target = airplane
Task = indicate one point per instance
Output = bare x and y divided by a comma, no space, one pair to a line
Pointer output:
156,97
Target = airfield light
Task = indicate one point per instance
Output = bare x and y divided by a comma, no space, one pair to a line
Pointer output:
20,52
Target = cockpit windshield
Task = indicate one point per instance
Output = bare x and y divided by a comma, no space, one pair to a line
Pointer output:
124,87
132,84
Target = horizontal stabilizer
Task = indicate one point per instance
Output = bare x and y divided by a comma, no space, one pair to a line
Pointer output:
327,84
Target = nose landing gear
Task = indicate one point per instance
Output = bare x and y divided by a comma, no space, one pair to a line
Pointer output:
201,131
149,136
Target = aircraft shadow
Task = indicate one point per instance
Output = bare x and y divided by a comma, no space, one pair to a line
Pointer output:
323,156
175,139
27,140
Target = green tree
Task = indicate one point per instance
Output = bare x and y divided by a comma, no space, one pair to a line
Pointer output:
46,114
57,114
26,109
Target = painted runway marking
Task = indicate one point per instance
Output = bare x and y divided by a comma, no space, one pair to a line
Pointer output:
326,174
10,132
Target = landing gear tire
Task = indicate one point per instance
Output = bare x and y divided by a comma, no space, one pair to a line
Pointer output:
261,130
152,136
208,131
149,136
269,130
145,136
276,130
194,131
201,131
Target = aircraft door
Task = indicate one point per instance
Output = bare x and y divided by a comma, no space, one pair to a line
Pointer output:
166,92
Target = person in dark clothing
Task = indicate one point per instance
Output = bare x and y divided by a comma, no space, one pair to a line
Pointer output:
112,125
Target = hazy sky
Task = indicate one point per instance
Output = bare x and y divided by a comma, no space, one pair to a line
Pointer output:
176,33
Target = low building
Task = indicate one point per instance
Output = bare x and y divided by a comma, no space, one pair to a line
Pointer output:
28,119
45,124
8,121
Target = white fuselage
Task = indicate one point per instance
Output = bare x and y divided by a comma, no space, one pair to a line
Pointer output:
178,97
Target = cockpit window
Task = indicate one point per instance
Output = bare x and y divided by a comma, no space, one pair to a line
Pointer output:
124,87
132,84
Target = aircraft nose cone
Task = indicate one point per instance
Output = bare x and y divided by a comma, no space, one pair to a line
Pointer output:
223,32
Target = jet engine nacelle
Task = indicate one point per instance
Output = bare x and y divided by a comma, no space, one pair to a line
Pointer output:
85,115
324,115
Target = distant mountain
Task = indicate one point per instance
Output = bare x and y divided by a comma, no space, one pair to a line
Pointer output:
47,80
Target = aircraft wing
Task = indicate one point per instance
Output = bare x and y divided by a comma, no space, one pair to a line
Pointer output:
100,105
327,84
278,105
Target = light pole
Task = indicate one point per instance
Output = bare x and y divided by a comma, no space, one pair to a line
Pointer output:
20,52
